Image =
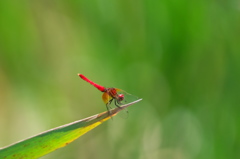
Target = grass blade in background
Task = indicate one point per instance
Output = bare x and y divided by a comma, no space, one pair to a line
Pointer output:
53,139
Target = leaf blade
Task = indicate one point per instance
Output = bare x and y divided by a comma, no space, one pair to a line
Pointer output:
48,141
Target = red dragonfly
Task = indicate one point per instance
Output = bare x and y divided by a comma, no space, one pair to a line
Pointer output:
110,94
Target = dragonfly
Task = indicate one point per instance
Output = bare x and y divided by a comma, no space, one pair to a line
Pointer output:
116,95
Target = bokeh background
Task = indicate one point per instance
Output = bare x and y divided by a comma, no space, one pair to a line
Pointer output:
182,57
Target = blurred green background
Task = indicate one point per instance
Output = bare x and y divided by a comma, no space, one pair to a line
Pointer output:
182,57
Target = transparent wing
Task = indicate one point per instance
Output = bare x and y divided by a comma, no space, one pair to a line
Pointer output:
121,97
128,98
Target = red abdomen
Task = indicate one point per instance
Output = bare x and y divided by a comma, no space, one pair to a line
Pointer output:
100,88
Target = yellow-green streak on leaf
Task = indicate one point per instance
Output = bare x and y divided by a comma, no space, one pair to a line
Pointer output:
53,139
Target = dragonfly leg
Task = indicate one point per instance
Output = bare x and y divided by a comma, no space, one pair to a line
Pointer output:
117,104
108,106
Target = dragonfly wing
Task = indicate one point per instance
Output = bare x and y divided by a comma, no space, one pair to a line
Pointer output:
118,90
106,97
127,97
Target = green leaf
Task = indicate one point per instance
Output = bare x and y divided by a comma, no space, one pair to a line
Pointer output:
53,139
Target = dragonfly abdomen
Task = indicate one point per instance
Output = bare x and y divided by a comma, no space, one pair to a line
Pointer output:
100,88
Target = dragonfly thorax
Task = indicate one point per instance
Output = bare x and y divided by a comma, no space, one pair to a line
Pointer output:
113,93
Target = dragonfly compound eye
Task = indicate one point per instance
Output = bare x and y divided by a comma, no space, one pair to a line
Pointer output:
120,97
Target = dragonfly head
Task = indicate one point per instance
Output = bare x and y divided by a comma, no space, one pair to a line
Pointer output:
120,97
